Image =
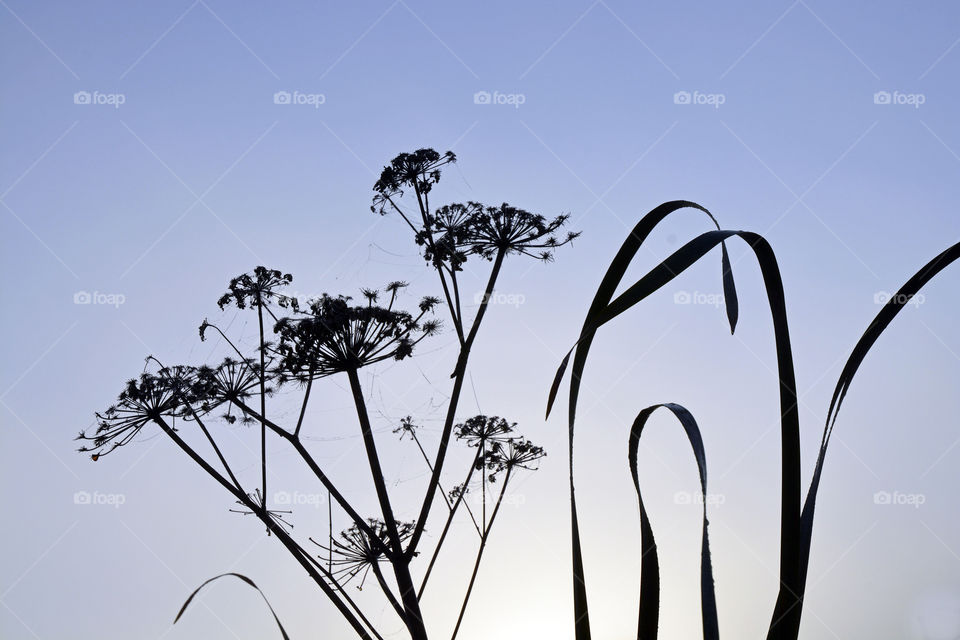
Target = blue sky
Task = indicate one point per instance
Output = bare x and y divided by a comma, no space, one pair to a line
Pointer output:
149,156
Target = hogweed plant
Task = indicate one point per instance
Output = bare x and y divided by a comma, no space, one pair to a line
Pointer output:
298,346
796,526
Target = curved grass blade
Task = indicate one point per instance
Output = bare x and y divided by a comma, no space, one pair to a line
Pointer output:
648,623
857,356
608,286
618,267
785,623
729,288
245,579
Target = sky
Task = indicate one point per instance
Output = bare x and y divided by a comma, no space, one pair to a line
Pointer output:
152,151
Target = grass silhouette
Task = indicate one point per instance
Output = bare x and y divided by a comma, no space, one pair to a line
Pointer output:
796,525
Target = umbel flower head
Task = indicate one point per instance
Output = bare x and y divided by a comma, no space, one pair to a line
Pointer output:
356,553
257,289
512,230
337,336
484,430
407,428
515,453
233,380
257,499
419,171
446,233
145,399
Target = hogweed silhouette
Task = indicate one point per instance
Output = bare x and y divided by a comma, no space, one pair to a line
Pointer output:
301,344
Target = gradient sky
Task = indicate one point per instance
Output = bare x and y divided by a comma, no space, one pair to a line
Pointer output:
198,176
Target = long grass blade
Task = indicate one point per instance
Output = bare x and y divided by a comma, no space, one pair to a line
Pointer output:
880,323
618,267
648,623
785,624
245,579
786,617
608,286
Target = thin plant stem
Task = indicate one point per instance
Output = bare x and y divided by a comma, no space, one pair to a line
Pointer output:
387,591
483,545
303,407
401,564
459,376
450,506
373,458
483,488
206,432
346,597
298,445
261,513
263,405
446,527
329,533
458,311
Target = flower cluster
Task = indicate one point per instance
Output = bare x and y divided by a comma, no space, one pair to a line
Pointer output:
500,448
356,552
446,234
407,427
419,170
336,336
149,398
230,382
513,454
507,229
452,232
484,430
257,499
257,289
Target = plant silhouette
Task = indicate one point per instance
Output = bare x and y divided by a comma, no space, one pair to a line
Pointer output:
299,344
796,521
